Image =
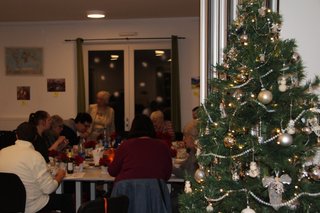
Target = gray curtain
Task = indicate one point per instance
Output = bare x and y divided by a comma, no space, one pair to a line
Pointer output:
81,99
175,85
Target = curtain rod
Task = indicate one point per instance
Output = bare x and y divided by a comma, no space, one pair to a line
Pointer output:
123,39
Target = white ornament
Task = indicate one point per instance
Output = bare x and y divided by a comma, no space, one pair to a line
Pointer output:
314,124
282,81
275,28
262,11
291,129
275,187
248,210
222,110
209,208
235,176
254,170
187,187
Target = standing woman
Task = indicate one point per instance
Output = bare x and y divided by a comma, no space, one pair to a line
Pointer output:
102,116
42,121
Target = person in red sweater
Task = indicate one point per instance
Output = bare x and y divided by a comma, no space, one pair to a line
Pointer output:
142,156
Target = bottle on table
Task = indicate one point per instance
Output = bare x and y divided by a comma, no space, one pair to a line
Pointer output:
70,166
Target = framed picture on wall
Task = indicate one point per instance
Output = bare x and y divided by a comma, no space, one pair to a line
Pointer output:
23,93
24,61
56,85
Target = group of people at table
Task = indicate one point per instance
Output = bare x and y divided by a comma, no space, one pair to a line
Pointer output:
144,157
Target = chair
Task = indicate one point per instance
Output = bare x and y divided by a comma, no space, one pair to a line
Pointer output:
13,193
115,205
145,195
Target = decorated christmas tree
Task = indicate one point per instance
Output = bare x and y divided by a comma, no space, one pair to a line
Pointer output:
259,147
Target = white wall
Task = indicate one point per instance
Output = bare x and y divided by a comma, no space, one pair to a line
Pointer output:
59,61
301,22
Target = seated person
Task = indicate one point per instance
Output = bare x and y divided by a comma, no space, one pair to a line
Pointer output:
144,162
189,166
22,160
52,135
74,129
164,129
42,122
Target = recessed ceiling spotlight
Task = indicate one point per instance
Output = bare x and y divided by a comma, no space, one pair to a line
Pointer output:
96,14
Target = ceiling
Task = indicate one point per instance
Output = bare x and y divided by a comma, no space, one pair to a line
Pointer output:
69,10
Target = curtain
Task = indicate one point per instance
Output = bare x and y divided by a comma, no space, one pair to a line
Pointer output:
175,85
81,100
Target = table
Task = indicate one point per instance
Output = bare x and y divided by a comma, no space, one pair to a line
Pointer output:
92,175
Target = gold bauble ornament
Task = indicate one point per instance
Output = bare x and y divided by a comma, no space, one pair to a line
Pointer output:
242,76
307,130
244,38
265,96
238,94
199,175
226,66
229,141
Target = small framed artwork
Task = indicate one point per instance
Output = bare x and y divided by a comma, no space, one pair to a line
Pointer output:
24,61
56,85
23,93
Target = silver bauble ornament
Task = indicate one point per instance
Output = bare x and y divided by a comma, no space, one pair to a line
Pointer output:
248,210
295,57
199,175
285,139
265,96
229,141
209,208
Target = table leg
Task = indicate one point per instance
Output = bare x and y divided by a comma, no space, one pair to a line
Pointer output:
78,194
92,191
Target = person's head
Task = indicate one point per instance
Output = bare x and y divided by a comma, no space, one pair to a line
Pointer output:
83,122
103,98
56,124
142,127
41,119
195,112
26,132
190,134
157,119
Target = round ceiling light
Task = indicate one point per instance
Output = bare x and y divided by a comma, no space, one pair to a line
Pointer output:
96,14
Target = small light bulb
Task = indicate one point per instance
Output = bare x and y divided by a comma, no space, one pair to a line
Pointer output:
269,11
296,187
221,190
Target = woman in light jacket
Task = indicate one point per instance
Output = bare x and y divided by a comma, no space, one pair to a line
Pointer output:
102,116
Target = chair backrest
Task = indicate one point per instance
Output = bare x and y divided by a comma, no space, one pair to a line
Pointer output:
12,193
115,205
